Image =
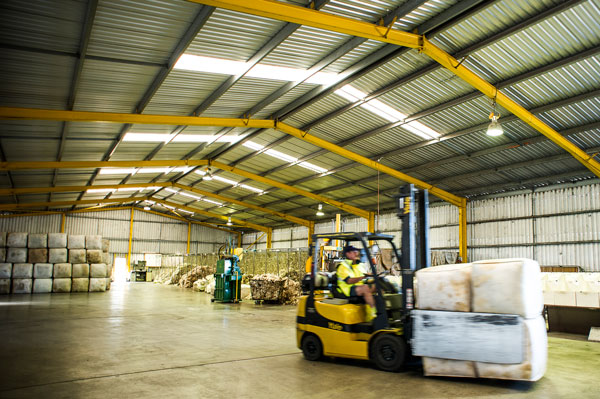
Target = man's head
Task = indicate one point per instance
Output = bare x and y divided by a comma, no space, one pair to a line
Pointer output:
351,252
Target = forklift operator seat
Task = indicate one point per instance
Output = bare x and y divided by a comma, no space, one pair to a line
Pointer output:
356,300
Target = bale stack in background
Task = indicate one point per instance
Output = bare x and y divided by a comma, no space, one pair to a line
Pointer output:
54,262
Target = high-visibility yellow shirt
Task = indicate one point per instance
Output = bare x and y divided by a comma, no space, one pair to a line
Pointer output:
347,270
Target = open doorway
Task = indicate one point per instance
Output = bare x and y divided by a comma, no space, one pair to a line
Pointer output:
121,271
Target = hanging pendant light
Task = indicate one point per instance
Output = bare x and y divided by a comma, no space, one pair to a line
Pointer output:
494,128
320,210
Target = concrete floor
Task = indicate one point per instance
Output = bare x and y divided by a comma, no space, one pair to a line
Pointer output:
148,340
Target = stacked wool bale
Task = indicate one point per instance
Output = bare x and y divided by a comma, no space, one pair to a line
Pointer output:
98,269
22,272
505,286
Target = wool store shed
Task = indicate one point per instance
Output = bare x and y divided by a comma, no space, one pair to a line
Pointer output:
275,198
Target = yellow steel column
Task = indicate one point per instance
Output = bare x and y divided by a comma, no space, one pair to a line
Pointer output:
62,222
462,232
338,227
130,241
188,240
269,238
311,231
371,222
239,237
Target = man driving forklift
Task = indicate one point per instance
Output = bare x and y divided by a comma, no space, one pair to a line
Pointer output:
351,279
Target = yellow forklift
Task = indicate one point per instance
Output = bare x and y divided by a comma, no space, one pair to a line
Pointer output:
330,324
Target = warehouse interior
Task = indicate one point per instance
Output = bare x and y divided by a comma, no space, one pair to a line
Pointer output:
143,141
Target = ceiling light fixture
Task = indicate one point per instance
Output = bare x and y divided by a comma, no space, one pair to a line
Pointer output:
146,208
208,175
229,221
494,128
320,210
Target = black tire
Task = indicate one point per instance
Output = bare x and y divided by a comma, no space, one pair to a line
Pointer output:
388,352
312,349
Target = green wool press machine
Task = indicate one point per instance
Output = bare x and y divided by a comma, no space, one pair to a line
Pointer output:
228,280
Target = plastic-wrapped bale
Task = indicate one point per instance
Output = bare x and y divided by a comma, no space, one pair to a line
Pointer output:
5,270
445,287
4,286
510,286
76,242
446,367
57,255
77,256
98,270
16,240
80,284
57,240
22,270
61,285
16,255
38,255
42,285
94,256
97,284
22,285
3,239
2,254
81,270
93,242
105,245
535,350
37,241
43,270
63,270
108,283
266,287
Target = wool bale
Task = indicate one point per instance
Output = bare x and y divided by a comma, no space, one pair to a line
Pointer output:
105,245
61,285
42,285
57,255
81,270
108,282
5,270
98,270
16,255
4,286
43,270
445,287
3,239
62,270
77,256
80,284
37,241
535,352
94,256
76,242
97,284
16,240
2,254
93,242
446,367
22,270
38,255
106,258
57,240
21,285
511,286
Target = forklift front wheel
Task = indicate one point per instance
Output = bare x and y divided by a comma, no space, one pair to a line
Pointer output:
312,347
388,352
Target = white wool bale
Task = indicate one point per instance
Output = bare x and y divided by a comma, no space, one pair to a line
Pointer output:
565,298
2,254
98,270
94,256
445,287
106,258
4,286
57,240
77,256
108,282
511,286
22,285
61,285
57,255
549,298
16,240
592,281
37,255
81,270
22,270
62,270
93,242
587,299
37,241
535,353
575,282
3,239
105,245
76,242
5,270
97,284
80,285
42,285
16,255
43,270
446,367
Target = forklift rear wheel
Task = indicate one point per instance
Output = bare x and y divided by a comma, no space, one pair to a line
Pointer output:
312,347
388,352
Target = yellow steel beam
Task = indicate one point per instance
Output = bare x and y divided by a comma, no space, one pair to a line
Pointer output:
462,232
69,203
98,164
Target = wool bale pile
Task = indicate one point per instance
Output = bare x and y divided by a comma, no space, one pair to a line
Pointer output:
197,273
503,286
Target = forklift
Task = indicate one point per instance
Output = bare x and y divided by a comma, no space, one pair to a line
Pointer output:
330,324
